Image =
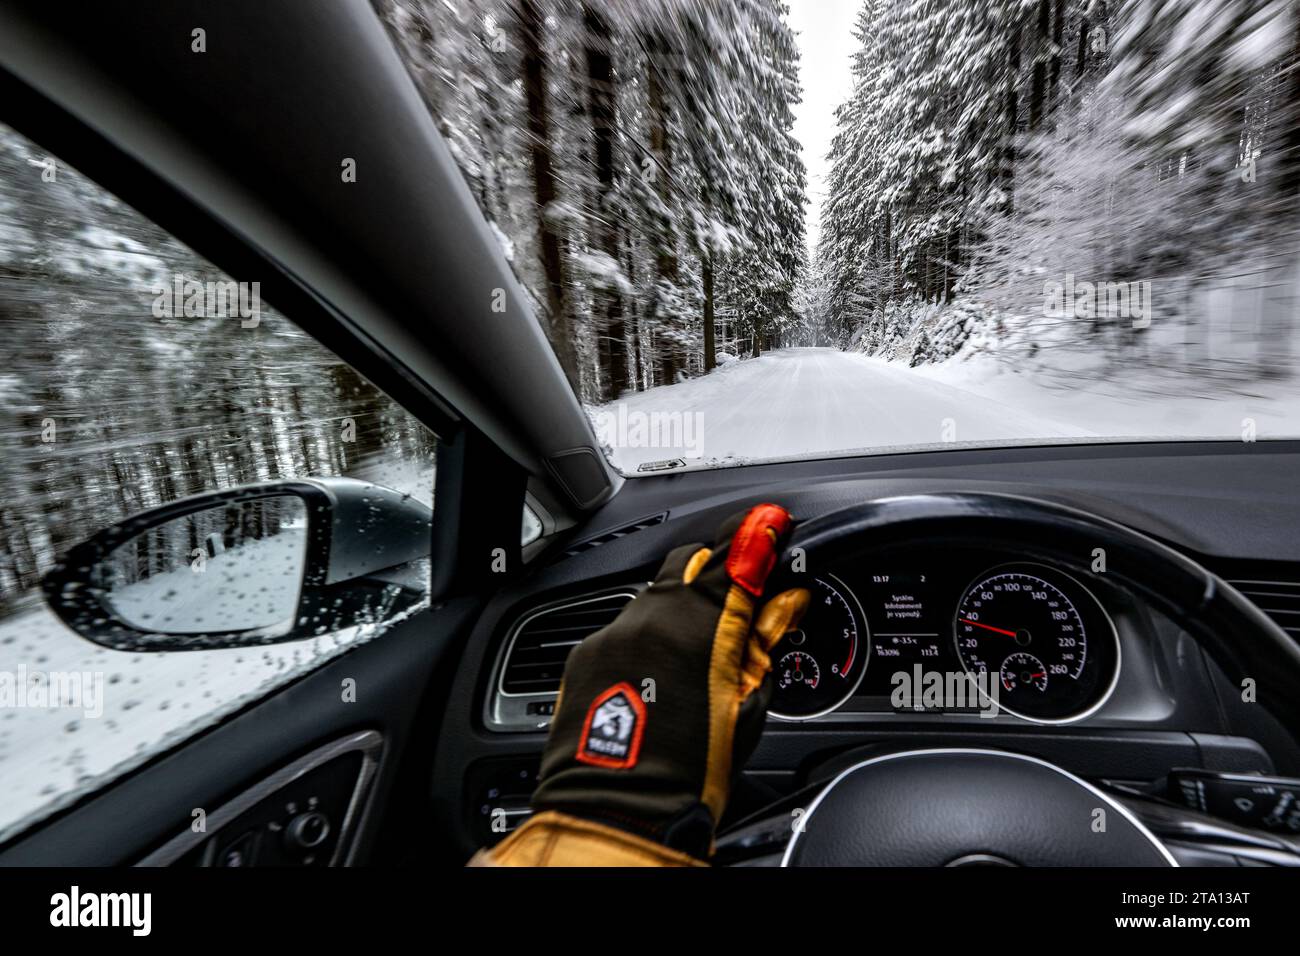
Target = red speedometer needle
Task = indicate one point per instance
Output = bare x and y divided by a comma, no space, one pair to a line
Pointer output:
987,627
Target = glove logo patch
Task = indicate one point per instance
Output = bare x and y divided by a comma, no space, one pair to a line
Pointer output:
611,736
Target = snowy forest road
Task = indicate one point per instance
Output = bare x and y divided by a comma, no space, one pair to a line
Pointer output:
805,401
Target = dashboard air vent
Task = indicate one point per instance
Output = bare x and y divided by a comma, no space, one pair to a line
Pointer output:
613,535
542,640
1280,600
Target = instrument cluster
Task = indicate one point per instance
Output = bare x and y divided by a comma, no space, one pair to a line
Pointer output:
965,635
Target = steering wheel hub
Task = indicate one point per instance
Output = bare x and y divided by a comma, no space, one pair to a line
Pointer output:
963,807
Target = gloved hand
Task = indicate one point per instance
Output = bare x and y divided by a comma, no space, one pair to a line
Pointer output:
660,710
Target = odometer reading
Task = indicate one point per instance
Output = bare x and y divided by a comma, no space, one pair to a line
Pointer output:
1022,629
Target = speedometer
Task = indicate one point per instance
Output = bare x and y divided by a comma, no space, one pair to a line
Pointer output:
817,667
1038,641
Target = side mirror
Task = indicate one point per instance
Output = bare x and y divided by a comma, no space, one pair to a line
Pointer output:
260,564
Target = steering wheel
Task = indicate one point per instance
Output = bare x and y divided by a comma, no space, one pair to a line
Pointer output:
952,807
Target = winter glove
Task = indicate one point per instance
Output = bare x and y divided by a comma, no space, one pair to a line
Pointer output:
660,710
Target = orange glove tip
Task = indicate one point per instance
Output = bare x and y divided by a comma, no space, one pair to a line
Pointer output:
753,549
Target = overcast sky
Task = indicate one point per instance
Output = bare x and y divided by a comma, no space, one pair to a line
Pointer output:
825,29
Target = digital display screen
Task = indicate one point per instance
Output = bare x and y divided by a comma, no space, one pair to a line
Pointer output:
909,614
905,625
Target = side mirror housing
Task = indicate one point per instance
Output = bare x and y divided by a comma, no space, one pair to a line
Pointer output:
260,564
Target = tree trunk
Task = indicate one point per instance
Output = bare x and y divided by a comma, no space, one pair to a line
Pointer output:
1012,116
532,22
891,259
710,349
1279,307
1288,179
1058,41
602,104
1081,55
633,323
1038,86
666,265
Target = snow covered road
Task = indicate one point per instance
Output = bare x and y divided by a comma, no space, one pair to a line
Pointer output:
806,401
810,402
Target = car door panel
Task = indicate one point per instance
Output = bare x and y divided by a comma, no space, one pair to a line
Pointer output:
123,824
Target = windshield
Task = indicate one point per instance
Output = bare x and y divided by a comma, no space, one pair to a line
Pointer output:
757,230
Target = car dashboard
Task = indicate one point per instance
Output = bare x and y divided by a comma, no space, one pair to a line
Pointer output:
922,647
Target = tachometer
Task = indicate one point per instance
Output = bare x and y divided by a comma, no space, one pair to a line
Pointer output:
1038,641
818,667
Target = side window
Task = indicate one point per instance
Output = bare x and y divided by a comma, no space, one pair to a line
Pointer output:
136,373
